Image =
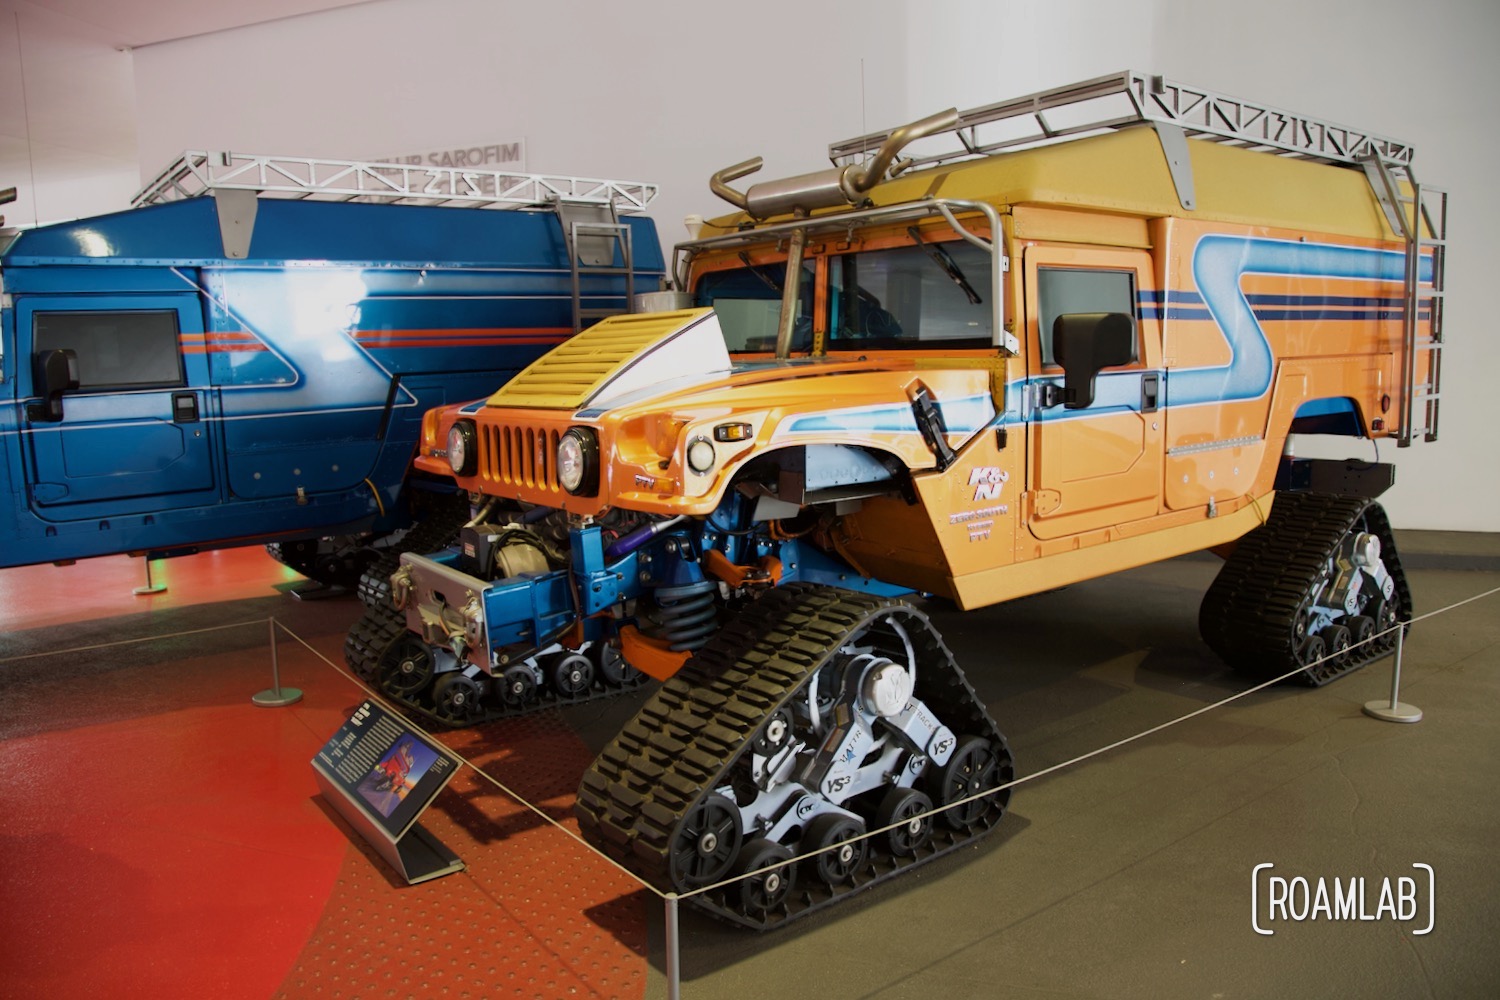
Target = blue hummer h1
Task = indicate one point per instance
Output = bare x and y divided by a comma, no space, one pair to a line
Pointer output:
246,356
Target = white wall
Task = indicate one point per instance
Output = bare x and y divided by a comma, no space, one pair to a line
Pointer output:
671,90
662,91
67,118
966,53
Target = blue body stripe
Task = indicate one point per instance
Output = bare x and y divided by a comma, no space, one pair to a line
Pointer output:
961,416
1220,262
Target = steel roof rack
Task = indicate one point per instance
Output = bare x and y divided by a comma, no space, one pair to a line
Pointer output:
197,173
1139,99
1127,99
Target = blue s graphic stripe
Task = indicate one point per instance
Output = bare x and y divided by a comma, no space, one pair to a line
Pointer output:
1219,262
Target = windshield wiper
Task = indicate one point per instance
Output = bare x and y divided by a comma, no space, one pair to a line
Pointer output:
755,270
945,261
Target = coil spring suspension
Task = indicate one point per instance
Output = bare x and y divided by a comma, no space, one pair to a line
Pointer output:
687,614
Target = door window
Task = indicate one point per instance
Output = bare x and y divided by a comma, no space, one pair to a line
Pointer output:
1064,290
128,349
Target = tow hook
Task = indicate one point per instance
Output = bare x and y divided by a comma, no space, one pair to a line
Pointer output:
401,587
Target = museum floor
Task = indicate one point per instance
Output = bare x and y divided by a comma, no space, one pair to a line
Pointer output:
160,836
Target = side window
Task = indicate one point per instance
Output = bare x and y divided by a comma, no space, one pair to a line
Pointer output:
1063,290
116,350
935,295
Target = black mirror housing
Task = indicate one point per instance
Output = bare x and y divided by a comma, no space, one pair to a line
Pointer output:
56,372
1086,343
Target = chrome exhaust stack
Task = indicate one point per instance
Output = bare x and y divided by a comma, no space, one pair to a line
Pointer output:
798,196
834,187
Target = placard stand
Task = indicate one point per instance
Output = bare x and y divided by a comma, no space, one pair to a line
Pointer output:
416,855
380,776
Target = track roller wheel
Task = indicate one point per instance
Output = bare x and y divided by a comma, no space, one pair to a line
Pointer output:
1311,650
1361,628
611,667
406,668
1387,619
518,686
706,844
837,866
760,894
572,674
973,768
774,735
905,806
456,699
1336,639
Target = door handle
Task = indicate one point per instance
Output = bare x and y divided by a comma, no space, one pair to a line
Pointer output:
184,408
1150,392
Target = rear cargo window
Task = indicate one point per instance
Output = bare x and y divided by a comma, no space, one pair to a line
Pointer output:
116,350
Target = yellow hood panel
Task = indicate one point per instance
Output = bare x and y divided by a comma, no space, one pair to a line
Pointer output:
569,375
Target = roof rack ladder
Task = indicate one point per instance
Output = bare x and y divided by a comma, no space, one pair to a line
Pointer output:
1420,216
596,239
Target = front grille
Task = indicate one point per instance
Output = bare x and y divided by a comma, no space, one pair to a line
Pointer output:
516,456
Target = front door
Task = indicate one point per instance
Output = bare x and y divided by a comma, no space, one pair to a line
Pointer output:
134,436
1101,464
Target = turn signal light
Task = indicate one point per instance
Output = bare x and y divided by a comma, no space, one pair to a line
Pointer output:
732,432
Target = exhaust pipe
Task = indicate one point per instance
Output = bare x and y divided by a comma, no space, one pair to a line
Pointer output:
836,186
800,195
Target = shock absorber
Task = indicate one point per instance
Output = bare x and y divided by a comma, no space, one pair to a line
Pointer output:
687,613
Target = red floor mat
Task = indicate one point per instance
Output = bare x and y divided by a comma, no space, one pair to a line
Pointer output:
179,853
40,596
162,837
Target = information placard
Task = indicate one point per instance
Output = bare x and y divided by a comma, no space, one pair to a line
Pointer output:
380,776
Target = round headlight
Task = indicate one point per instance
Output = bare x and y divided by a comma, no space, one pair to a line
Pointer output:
463,454
700,455
578,461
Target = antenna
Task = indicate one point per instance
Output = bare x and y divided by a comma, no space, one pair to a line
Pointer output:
26,116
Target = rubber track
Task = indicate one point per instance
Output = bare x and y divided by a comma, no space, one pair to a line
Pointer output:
379,628
1249,612
369,638
682,744
437,531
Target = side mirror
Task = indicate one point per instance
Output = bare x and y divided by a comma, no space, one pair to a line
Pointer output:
1085,343
56,372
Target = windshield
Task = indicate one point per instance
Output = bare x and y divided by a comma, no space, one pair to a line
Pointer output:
903,297
748,303
933,295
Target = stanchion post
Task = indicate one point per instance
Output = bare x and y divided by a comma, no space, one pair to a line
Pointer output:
151,586
674,944
277,696
1394,711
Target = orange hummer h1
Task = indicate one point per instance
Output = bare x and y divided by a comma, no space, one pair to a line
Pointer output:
1015,348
